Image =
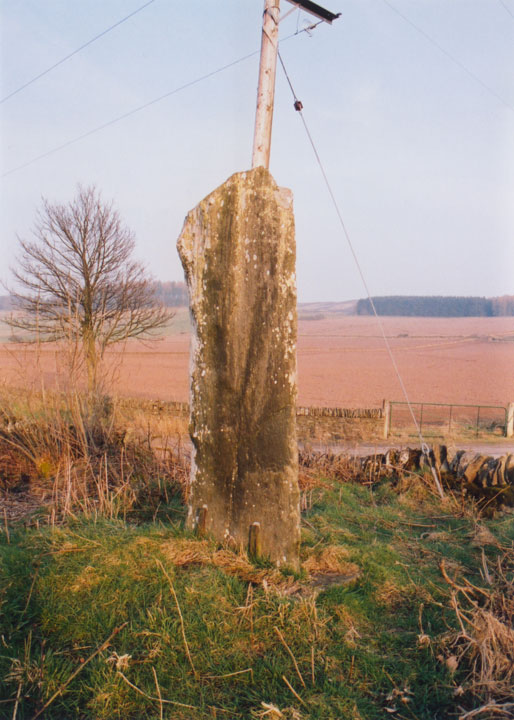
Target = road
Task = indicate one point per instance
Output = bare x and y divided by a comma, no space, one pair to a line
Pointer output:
361,450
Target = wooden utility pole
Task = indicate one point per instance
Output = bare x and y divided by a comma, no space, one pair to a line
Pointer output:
267,72
266,90
239,242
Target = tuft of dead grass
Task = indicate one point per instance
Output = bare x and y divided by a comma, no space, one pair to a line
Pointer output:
482,536
330,560
51,452
391,594
269,711
184,552
484,642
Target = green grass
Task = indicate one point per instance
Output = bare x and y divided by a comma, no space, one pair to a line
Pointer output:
63,590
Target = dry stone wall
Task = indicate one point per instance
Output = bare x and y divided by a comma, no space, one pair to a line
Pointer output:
487,479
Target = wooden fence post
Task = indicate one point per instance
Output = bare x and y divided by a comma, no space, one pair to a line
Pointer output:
201,524
254,540
509,420
387,418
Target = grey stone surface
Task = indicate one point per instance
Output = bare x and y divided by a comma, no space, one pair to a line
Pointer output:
238,251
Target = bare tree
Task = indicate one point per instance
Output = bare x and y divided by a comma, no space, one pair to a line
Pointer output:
76,280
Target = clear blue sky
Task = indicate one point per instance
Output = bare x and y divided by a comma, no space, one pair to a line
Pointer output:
420,154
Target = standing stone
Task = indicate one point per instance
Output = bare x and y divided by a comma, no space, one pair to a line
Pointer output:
238,251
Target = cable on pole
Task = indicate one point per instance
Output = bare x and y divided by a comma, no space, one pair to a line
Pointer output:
451,57
129,113
506,7
424,447
70,55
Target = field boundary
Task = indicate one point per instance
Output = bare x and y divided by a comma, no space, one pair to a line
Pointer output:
381,421
338,412
476,416
182,408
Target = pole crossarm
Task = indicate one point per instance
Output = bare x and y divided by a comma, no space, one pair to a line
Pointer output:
315,10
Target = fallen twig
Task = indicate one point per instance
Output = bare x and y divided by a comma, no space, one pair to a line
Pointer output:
492,707
161,706
30,594
293,690
151,697
291,654
182,626
227,675
453,584
15,711
6,523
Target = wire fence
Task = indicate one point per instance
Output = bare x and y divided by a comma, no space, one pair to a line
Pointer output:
445,419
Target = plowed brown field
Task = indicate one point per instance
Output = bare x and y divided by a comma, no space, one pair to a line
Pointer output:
342,361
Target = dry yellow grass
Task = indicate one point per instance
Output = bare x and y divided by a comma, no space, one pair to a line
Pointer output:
330,560
485,640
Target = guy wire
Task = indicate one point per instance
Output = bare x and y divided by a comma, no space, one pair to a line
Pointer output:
424,447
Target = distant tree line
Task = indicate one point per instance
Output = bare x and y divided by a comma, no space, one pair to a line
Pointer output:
438,306
170,294
503,305
174,294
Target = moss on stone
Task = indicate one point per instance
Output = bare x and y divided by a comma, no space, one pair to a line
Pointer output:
238,251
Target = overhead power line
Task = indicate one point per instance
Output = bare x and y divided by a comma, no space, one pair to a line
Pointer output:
128,114
449,55
135,110
67,57
506,7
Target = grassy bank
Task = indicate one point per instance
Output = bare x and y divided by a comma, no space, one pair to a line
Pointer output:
368,630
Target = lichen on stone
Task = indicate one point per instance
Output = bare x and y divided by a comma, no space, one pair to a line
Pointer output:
238,252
